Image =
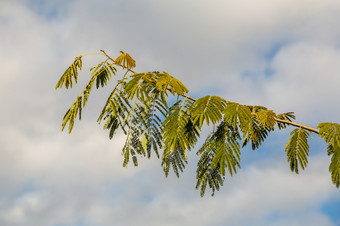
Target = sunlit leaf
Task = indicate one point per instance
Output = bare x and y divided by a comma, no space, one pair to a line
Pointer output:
125,60
297,149
208,109
70,73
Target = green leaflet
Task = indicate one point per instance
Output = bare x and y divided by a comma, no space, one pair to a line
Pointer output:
219,152
174,127
141,84
133,143
256,134
178,158
150,124
258,131
138,86
72,113
132,147
116,94
330,132
241,116
142,122
256,108
112,124
115,111
175,159
208,109
206,175
144,129
334,167
71,72
289,116
165,82
255,122
86,91
297,149
238,115
102,73
266,118
179,134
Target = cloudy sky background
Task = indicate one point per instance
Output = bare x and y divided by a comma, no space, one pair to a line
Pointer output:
282,54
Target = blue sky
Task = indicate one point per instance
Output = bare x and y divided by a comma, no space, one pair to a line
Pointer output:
282,54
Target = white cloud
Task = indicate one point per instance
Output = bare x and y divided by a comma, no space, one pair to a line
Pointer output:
305,80
256,195
48,177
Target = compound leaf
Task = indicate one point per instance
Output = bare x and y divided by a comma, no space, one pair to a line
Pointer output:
297,149
208,109
70,73
125,60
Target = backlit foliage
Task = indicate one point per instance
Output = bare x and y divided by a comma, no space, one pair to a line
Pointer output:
297,149
138,106
330,132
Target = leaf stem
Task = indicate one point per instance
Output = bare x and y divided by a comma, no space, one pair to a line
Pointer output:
87,54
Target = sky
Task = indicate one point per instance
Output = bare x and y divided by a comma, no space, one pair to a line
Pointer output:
282,54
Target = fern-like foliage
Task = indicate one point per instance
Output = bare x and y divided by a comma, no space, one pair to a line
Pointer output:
247,119
115,112
297,149
238,115
289,116
125,60
70,73
137,105
133,143
133,146
330,132
141,83
176,159
165,82
256,134
266,118
174,127
179,135
138,86
208,109
148,119
206,175
334,167
219,152
143,126
72,113
101,75
153,126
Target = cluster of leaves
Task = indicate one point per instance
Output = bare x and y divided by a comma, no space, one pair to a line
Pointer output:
138,106
100,75
330,132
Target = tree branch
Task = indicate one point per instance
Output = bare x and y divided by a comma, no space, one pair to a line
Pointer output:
194,99
298,125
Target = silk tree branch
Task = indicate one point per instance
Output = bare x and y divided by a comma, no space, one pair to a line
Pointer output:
298,125
193,99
